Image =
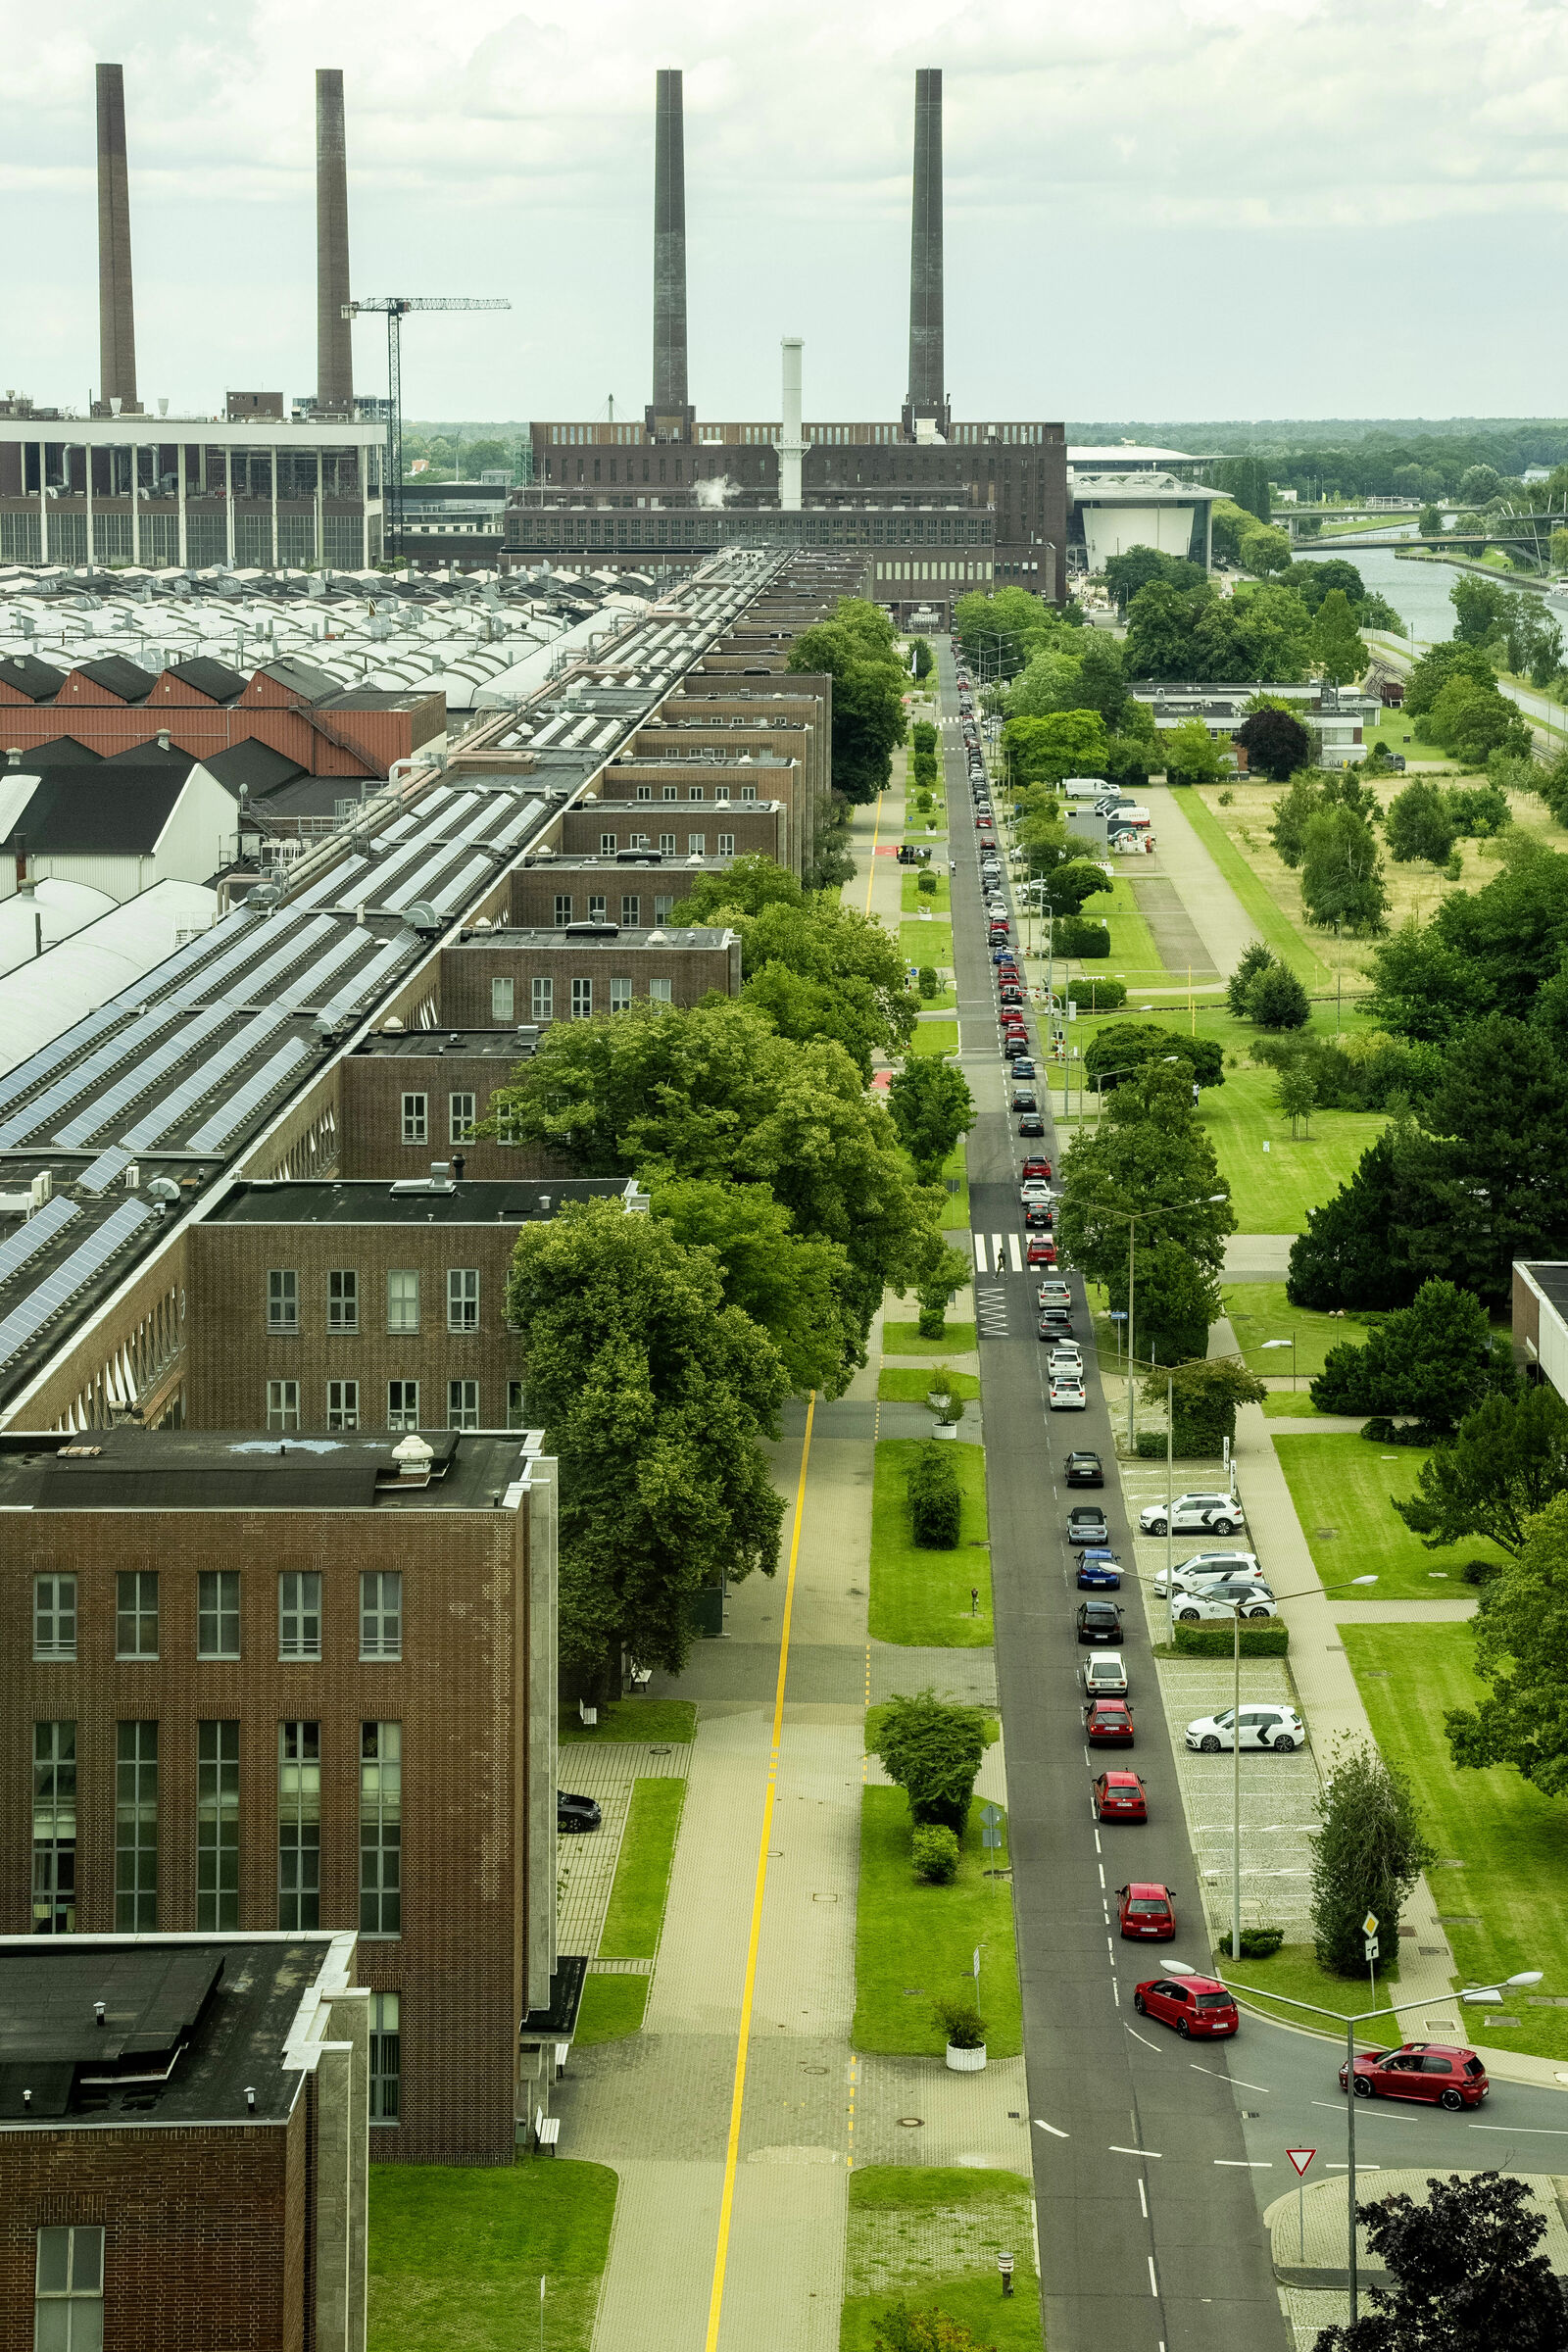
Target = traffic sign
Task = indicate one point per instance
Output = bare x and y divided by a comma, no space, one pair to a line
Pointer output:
1301,2158
990,1825
1371,1947
1369,1925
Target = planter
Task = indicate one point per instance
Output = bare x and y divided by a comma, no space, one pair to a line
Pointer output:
945,1429
966,2061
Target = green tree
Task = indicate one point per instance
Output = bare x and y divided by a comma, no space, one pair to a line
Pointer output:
947,1272
798,1289
653,1395
1042,751
1293,811
1498,1110
1451,659
1255,958
921,660
934,1496
1204,1398
1504,1463
1296,1095
933,1751
1521,1624
1465,2273
1341,872
1244,478
1478,607
1432,1359
1150,1154
857,650
1366,1856
1227,522
1176,1300
1277,999
1192,755
1127,574
1472,721
1429,522
1126,1045
1420,823
931,1107
1264,550
1493,950
1271,636
1276,744
1336,646
1160,624
1381,1235
928,981
1019,619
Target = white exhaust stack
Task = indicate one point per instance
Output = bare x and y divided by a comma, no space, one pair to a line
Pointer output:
790,447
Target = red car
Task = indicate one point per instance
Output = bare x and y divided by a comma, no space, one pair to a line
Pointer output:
1108,1721
1435,2071
1194,2005
1145,1909
1119,1796
1035,1165
1042,1250
983,825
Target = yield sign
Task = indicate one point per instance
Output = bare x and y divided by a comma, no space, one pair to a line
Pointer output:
1301,2158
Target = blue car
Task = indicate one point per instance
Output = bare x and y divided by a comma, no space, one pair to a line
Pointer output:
1099,1570
1021,1068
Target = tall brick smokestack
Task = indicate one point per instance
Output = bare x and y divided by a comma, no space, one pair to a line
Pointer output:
334,348
928,399
117,319
669,416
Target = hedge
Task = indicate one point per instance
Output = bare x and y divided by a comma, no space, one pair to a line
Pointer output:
1151,1447
1271,1640
1074,936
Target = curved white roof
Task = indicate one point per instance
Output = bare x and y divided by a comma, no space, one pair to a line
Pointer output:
43,996
64,907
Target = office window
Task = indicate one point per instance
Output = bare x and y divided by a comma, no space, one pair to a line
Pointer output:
217,1613
299,1825
517,1406
562,912
582,999
596,908
606,845
462,1299
697,845
662,905
136,1828
342,1404
620,995
658,992
544,999
380,1828
501,992
343,1299
403,1404
68,2307
722,792
299,1613
671,792
136,1613
631,912
54,1829
283,1404
463,1405
461,1117
282,1298
666,845
415,1119
386,2061
403,1299
727,845
54,1616
747,792
645,791
216,1826
694,792
381,1613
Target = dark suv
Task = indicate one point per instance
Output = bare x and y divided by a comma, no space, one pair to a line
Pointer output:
1099,1621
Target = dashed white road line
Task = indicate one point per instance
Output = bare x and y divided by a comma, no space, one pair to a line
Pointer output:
1041,2125
1156,2155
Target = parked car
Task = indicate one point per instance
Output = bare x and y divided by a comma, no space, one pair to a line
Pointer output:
1099,1621
1273,1725
1084,1470
1105,1675
1055,1324
1039,1217
1037,1165
1031,1123
1244,1588
1145,1909
1067,1396
1437,2072
1086,1524
1054,1291
1198,2007
575,1814
1207,1608
1013,1046
1041,1250
1108,1722
1023,1099
1194,1514
1024,1070
1211,1567
1036,1193
1119,1796
1067,1355
1099,1569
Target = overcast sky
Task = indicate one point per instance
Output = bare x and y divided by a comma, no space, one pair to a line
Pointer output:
1233,208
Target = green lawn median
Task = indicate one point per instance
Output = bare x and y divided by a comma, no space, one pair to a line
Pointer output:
1272,1189
935,1038
636,1911
456,2253
907,1338
926,943
909,1384
1340,1488
1293,1971
626,1719
929,2238
610,2008
920,1596
1260,1310
915,1945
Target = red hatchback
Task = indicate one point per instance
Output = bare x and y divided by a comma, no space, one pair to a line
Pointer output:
1145,1909
1194,2005
1119,1796
1041,1250
1035,1165
1109,1722
1435,2071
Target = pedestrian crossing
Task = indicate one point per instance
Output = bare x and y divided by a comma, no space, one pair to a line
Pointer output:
1006,1257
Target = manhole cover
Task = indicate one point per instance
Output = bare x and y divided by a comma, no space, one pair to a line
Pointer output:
1327,1532
911,2123
1013,2115
822,2070
663,1751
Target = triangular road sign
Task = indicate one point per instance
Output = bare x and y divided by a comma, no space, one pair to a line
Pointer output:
1301,2158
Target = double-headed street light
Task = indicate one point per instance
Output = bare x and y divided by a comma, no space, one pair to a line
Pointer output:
1290,1345
1133,1218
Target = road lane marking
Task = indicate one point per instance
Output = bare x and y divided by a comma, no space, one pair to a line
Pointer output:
1041,2125
1144,2038
1241,2164
1156,2153
1368,2113
1142,2199
1102,1878
1219,2077
1359,2166
1015,1252
1153,2282
980,1254
1535,2130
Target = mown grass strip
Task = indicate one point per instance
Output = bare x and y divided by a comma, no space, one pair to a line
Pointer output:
641,1873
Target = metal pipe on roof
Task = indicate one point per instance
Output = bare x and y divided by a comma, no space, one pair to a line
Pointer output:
116,322
334,333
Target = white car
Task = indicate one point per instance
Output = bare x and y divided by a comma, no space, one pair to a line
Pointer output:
1064,1362
1209,1567
1067,1396
1276,1727
1104,1675
1054,1292
1207,1608
1194,1514
1036,1190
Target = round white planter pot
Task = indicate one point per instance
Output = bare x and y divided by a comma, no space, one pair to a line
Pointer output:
945,1429
966,2061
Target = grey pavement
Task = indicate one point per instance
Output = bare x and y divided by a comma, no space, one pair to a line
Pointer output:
1257,1256
1212,909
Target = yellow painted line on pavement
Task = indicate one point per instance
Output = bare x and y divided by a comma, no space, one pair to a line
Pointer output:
715,2303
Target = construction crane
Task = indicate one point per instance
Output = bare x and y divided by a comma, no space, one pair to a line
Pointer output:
393,307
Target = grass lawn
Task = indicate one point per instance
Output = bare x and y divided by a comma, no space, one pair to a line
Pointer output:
915,898
904,1338
1294,1970
612,2007
1273,1190
456,2253
1508,1837
1260,1310
1341,1482
1279,1405
1134,957
893,2211
634,1719
909,1385
934,1038
642,1871
919,1596
913,1944
926,943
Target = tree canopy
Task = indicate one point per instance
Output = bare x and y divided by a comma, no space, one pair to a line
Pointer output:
1432,1359
1521,1625
1148,1154
1464,2271
1505,1461
931,1107
1369,1851
1276,744
859,650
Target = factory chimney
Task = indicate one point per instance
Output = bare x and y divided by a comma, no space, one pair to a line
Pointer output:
334,348
116,320
669,417
926,412
790,447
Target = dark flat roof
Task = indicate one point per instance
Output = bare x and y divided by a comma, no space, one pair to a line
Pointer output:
373,1200
126,679
425,1045
131,1469
1551,1278
613,936
213,679
76,811
39,681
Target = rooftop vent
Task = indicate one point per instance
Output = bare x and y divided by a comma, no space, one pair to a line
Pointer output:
412,1458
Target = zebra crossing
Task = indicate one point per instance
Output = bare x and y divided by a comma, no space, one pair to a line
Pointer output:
1000,1244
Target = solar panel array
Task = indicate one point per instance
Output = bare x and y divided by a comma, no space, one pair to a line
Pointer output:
31,1238
148,1071
226,1121
105,1168
71,1275
84,1074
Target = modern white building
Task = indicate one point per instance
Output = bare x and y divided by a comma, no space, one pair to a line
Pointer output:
1109,513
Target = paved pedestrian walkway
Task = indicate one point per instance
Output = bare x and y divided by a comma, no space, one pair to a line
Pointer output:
1212,907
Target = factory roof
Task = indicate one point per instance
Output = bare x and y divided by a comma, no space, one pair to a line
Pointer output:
213,680
488,1045
613,937
418,1201
76,813
125,1469
127,681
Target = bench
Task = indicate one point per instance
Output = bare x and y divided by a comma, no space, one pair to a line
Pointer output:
561,2048
589,1715
546,2129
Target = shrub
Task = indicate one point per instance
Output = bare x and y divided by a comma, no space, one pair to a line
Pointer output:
1092,994
1481,1572
1074,936
1126,1046
1267,1640
1277,999
961,2021
926,884
936,1854
1151,1445
1366,1856
935,1501
932,1751
1254,960
1257,1943
927,981
923,736
922,800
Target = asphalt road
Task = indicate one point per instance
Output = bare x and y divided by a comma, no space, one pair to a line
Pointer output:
1149,2232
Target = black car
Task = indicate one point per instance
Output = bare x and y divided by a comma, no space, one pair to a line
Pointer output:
575,1813
1084,1470
1086,1524
1037,1217
1099,1621
1031,1123
1023,1099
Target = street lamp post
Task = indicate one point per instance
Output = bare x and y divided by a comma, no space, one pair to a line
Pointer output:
1290,1345
1131,1218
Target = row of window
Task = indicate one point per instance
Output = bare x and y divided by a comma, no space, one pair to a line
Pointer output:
138,1614
542,1007
631,908
403,1292
694,792
137,1825
696,844
403,1408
